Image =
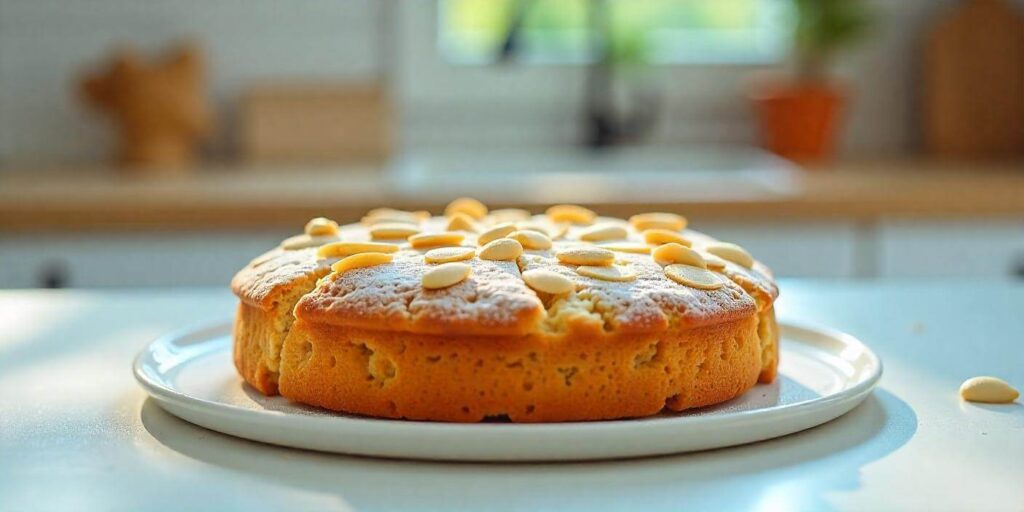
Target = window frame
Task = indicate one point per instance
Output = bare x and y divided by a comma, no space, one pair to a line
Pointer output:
772,30
446,104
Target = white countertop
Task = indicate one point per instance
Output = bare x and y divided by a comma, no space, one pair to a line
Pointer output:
77,433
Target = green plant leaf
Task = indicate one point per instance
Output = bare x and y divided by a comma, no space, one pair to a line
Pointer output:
825,27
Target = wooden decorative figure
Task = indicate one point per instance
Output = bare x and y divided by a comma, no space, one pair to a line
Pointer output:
159,107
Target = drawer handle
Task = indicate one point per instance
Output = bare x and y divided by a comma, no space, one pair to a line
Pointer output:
54,274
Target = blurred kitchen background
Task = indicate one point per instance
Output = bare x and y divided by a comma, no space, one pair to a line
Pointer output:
155,143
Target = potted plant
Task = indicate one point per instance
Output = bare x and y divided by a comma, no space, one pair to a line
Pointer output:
798,116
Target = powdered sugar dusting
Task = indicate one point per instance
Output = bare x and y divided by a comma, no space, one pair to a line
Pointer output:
263,279
494,299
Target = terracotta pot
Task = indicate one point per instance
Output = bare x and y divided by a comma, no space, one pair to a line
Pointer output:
799,121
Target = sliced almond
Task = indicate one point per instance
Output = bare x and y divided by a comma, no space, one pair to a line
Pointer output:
713,262
558,230
496,232
381,219
502,249
694,277
381,210
546,281
321,226
421,214
571,213
616,273
658,220
342,249
460,221
989,390
378,215
658,236
630,247
731,252
361,260
508,215
447,254
532,226
672,253
305,241
531,239
585,256
445,275
467,205
603,232
424,240
392,231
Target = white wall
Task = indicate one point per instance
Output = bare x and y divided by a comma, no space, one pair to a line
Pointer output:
883,77
45,43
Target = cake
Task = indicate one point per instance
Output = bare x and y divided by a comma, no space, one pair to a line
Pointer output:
479,315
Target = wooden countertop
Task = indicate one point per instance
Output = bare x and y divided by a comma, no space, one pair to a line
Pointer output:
226,198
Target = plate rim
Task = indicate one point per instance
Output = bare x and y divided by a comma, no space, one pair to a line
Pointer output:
166,395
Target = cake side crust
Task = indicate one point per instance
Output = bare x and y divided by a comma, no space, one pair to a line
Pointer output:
252,329
585,374
260,330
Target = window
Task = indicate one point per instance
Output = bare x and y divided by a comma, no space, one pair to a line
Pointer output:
626,31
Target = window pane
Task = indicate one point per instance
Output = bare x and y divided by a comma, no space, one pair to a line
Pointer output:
628,31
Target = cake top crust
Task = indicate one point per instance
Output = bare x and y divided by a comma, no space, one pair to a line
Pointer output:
575,269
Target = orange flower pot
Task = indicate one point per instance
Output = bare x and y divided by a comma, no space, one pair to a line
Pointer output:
799,121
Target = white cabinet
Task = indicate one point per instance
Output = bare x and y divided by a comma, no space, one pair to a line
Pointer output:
128,259
990,249
191,259
795,249
829,249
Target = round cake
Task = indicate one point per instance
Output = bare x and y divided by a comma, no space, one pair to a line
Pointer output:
504,315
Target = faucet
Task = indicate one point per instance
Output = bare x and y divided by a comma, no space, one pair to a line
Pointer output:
604,125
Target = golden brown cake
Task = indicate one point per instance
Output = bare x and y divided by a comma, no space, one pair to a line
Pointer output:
481,314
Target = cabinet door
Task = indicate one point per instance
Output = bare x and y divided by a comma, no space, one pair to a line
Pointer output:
128,259
794,249
951,249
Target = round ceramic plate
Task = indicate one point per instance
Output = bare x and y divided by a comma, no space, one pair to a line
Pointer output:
823,374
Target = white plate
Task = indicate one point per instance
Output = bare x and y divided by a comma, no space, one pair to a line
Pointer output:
823,374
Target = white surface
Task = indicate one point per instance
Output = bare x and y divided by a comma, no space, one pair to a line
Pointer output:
991,248
77,432
823,375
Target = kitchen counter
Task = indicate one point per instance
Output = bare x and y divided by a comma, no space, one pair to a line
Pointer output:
77,433
232,198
